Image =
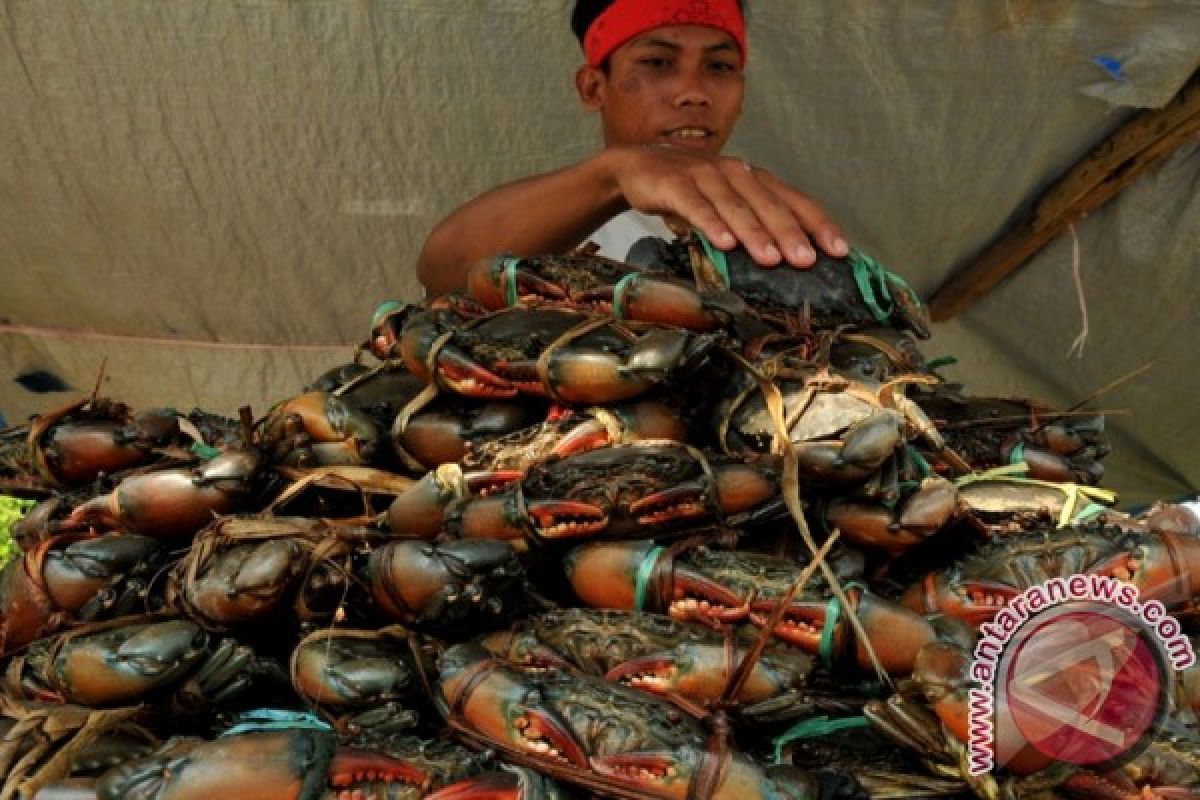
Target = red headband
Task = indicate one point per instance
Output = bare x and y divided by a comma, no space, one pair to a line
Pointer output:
626,19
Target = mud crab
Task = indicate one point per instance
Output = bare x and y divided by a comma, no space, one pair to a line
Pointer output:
607,738
571,358
673,659
605,492
72,578
723,587
130,660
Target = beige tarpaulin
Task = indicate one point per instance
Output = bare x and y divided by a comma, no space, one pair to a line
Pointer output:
214,195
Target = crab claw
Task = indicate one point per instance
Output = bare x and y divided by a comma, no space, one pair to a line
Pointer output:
489,786
868,442
802,625
499,702
417,512
657,773
923,514
896,634
349,765
488,518
279,765
1167,567
700,672
974,602
565,519
489,282
697,598
604,574
462,375
679,306
679,503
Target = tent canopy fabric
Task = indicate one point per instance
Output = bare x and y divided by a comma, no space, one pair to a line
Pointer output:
210,198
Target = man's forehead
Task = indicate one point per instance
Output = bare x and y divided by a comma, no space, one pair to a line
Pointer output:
685,36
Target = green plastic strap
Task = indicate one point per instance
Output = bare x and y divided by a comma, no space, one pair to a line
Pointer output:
717,257
1089,511
833,610
272,719
618,304
202,450
643,577
385,309
510,280
941,361
1017,456
866,270
918,460
812,728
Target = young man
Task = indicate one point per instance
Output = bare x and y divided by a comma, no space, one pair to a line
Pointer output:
666,78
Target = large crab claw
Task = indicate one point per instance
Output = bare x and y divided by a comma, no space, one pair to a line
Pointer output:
1167,568
282,765
700,672
497,281
922,514
605,574
514,783
494,700
973,601
677,305
172,503
421,582
318,429
420,510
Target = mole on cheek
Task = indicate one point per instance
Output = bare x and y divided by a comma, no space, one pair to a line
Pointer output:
631,85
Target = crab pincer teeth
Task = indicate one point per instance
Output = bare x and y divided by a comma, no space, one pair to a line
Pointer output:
649,673
670,505
588,436
522,374
490,786
707,602
532,288
468,378
486,483
801,626
598,299
540,733
567,519
351,765
637,768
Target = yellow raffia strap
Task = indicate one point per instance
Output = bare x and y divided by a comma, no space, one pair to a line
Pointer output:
773,399
1080,499
588,325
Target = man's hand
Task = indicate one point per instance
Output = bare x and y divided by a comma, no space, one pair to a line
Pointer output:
729,200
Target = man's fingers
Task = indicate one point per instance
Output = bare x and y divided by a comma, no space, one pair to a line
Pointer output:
739,214
824,231
693,206
777,217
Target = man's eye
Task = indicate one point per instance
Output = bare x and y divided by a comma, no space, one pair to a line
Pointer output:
723,66
654,63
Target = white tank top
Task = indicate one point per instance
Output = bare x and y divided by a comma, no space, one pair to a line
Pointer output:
616,236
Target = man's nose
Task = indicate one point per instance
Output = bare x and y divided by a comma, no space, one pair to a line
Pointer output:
691,91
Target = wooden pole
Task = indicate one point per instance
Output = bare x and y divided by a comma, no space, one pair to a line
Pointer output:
1109,168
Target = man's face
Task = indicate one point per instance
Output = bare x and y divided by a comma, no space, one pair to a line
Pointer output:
679,85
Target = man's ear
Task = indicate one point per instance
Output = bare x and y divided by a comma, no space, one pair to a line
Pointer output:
591,83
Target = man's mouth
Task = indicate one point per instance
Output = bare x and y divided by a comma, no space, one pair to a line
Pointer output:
692,135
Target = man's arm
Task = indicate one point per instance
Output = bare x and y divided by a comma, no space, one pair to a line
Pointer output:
549,213
726,198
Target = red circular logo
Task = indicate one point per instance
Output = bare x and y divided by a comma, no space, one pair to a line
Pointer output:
1082,685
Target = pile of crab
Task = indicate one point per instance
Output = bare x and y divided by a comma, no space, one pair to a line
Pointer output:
680,528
